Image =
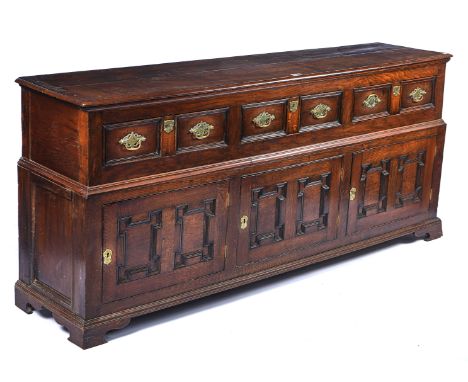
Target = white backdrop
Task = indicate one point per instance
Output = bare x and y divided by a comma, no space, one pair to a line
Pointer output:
395,313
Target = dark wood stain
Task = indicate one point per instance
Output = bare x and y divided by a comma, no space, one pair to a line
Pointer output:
171,211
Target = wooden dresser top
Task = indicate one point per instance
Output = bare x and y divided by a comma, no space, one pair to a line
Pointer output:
155,82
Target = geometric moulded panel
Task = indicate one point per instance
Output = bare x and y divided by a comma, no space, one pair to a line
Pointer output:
194,238
313,202
410,179
140,237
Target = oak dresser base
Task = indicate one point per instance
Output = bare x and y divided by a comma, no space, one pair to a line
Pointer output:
90,333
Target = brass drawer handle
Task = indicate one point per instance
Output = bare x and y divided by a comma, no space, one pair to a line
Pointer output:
352,193
201,130
132,141
107,256
320,111
264,119
371,101
417,94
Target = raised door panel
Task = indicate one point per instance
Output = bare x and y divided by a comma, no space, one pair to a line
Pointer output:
389,183
164,239
288,207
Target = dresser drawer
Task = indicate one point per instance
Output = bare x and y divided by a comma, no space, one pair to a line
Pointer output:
131,140
263,120
417,93
201,130
371,102
320,111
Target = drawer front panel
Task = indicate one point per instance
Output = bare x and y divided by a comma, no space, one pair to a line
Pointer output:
131,140
320,110
371,102
389,183
263,120
216,128
287,207
163,240
417,93
197,131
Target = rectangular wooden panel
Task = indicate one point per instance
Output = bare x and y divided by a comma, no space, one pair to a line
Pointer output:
163,240
131,140
201,130
264,120
417,93
371,102
287,207
392,182
320,111
57,138
52,227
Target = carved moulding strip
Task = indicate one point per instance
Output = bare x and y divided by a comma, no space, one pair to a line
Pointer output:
206,252
366,170
153,266
321,222
405,161
259,194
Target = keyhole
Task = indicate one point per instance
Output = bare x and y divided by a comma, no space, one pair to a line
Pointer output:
244,220
107,256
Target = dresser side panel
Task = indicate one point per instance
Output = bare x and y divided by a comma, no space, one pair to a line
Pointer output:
24,225
51,227
25,110
58,136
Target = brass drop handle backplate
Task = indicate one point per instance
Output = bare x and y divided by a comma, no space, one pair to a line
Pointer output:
244,220
417,94
201,130
107,256
320,111
352,193
264,119
132,141
371,101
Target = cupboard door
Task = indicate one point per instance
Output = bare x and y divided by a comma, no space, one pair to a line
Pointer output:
288,207
389,183
162,240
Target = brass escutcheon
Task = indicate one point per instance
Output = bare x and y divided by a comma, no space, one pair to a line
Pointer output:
396,90
417,94
320,111
169,125
201,130
371,101
132,141
293,106
352,193
264,119
244,219
107,256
